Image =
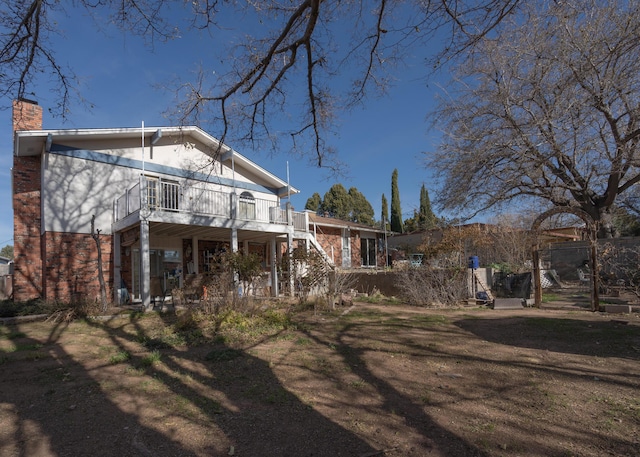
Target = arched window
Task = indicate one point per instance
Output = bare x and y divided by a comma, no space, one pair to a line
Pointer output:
247,206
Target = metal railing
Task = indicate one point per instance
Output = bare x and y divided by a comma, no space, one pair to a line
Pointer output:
128,203
202,200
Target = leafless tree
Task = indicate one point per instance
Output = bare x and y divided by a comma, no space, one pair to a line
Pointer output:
330,54
95,234
548,112
511,240
620,267
433,287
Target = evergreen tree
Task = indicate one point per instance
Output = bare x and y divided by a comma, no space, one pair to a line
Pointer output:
361,210
425,218
411,224
337,202
385,212
396,210
314,203
7,251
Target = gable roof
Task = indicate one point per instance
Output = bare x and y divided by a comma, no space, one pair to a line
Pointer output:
35,142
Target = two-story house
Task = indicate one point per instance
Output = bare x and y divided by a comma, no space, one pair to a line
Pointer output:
165,201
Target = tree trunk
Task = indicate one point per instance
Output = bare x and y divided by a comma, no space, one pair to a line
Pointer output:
95,234
606,227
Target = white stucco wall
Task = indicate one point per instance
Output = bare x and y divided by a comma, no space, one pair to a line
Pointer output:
81,179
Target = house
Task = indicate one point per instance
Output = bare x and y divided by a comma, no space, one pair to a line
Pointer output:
6,266
165,200
349,244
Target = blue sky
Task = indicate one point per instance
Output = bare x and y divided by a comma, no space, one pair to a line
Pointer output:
119,76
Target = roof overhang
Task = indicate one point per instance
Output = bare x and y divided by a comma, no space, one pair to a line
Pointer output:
34,143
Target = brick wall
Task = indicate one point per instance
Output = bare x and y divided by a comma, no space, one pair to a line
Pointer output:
330,237
71,266
27,280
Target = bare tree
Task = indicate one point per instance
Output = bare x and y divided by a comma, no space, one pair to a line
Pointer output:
95,234
511,240
549,112
331,54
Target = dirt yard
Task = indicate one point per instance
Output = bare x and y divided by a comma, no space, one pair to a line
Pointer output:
369,380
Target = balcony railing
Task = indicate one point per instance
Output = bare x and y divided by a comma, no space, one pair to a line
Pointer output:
202,200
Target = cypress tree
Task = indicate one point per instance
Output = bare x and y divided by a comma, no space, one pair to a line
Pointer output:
426,218
385,212
396,210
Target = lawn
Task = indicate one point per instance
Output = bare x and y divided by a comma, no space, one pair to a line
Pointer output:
368,380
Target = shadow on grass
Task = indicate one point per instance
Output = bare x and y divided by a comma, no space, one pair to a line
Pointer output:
592,337
68,397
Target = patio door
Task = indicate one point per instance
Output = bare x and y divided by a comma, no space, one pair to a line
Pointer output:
165,273
368,252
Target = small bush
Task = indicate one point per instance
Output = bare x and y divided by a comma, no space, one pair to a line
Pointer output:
433,287
10,308
150,359
119,357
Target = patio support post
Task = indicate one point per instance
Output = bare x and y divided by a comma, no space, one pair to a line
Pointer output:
274,268
194,255
117,266
234,240
145,265
290,266
289,214
145,262
234,249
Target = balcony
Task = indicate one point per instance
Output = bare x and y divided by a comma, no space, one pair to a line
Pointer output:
204,201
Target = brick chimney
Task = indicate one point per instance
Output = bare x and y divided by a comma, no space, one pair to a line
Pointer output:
27,115
27,219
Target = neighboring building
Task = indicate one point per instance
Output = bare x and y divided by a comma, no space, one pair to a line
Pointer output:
6,272
348,244
6,266
165,201
562,234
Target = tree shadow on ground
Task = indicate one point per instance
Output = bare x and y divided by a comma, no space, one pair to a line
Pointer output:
422,434
52,405
465,380
208,400
592,337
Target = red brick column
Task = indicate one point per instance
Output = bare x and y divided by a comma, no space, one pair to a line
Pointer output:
27,279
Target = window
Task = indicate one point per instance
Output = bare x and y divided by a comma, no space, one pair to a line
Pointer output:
247,206
153,199
368,252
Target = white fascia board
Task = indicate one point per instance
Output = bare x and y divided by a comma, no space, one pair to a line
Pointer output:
32,142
